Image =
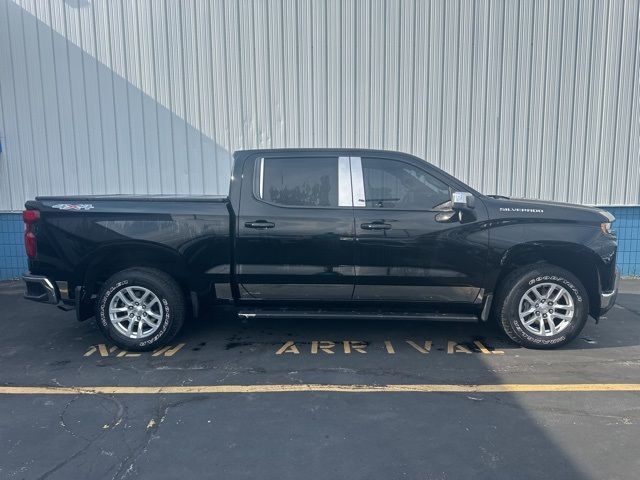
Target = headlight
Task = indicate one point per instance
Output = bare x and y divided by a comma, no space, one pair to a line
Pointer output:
606,228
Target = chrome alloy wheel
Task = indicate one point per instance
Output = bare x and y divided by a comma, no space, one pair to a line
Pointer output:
546,309
136,312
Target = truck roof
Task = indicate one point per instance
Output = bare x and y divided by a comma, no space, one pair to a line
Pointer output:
327,149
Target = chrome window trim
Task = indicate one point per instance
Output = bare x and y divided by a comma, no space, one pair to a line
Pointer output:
357,183
261,180
345,195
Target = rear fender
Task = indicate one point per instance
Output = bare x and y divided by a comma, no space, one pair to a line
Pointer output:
107,260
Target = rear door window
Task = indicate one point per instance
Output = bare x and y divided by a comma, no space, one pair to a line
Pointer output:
298,182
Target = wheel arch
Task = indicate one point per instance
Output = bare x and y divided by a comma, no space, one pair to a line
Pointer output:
575,258
106,261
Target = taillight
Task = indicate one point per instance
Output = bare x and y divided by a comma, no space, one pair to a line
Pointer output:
30,217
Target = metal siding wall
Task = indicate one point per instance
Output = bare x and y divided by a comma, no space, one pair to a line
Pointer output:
13,260
627,228
537,98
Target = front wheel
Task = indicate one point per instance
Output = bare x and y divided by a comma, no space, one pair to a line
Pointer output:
140,309
541,306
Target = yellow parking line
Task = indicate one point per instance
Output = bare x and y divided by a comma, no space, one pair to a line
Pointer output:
310,387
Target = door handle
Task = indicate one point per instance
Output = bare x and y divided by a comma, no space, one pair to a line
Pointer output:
259,224
375,226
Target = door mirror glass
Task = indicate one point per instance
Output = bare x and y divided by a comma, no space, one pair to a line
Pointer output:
462,201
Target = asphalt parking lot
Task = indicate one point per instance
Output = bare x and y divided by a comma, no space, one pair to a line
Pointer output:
221,401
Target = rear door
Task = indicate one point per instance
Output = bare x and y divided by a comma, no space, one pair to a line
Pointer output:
403,252
296,228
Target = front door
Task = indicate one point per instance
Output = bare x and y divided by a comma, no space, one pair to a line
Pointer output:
403,252
295,231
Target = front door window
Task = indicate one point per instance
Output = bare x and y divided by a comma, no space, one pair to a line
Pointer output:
391,184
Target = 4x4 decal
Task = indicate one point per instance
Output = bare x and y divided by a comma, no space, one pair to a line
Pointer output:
73,206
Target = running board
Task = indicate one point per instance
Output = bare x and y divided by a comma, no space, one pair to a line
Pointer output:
350,315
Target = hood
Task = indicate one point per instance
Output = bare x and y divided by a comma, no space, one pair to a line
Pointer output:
504,207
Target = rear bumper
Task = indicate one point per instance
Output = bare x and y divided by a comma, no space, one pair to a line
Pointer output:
40,289
608,299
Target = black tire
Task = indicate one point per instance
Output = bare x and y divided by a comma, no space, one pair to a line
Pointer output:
515,285
163,287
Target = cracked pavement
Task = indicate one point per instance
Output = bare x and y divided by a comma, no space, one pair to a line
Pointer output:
316,434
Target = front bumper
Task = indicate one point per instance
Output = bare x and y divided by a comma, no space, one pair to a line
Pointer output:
608,299
41,289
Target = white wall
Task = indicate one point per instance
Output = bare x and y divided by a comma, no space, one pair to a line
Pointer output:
518,97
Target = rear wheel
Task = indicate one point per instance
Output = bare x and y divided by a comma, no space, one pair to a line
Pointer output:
140,309
541,306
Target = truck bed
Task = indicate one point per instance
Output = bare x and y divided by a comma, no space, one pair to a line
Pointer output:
81,236
136,198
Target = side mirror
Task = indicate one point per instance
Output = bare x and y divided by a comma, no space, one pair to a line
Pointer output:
462,201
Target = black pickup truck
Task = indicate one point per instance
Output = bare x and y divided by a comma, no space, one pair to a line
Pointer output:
323,233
